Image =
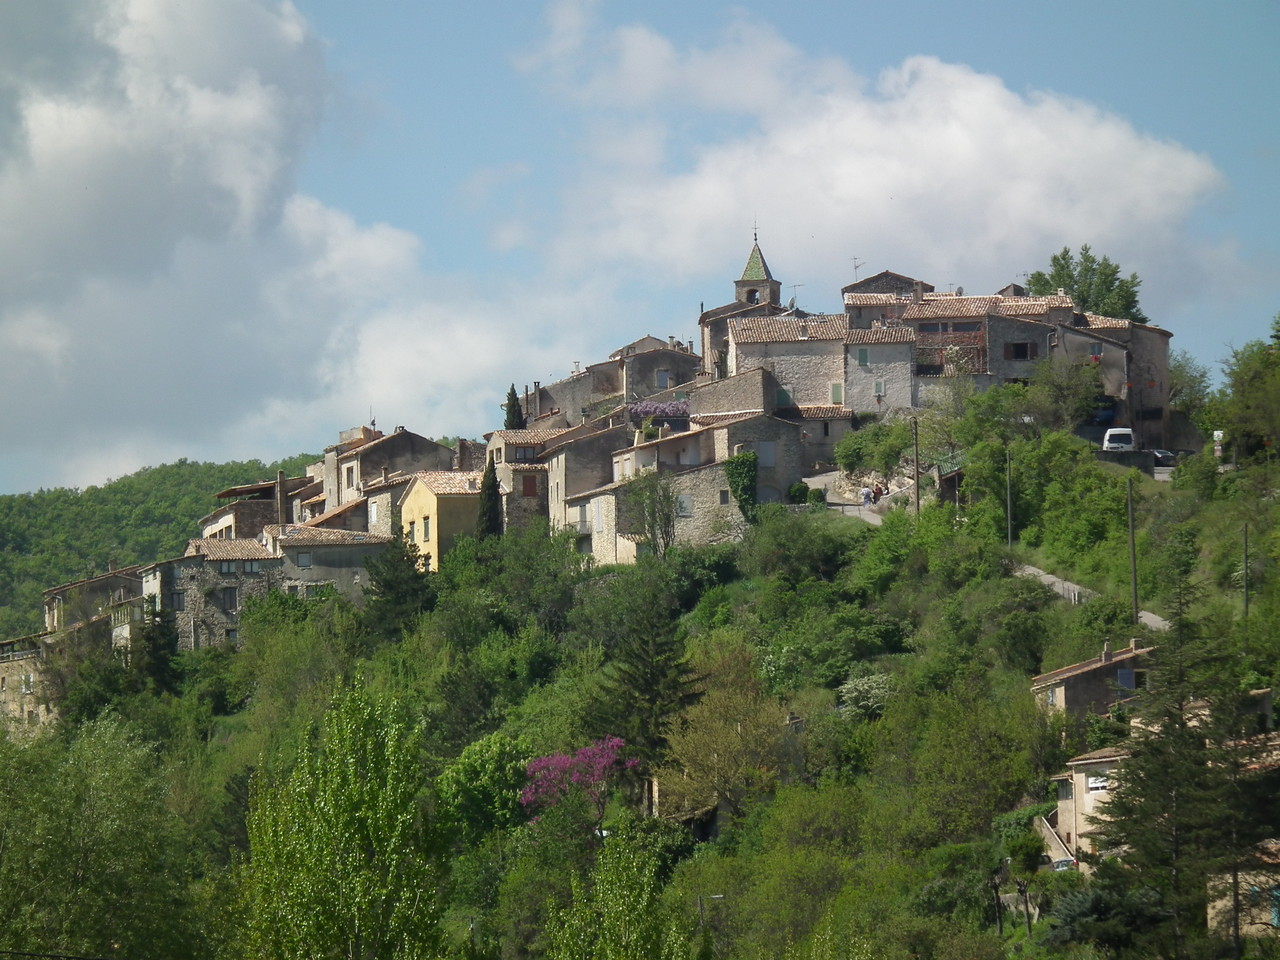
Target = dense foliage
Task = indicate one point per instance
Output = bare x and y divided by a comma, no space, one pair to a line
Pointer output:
834,721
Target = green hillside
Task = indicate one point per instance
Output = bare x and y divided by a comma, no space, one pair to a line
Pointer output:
54,536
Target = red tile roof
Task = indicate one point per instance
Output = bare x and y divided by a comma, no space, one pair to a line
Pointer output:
950,307
1029,306
296,535
527,436
450,481
871,299
899,334
215,548
789,329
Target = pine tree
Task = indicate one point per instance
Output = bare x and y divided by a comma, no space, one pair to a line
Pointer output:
400,588
515,419
489,520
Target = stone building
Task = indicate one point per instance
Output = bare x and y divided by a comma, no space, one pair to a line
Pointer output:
642,369
206,588
1092,687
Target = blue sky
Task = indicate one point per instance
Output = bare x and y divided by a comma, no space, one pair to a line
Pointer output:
231,228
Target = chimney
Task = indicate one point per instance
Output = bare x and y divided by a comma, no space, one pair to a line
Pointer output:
282,505
917,292
537,400
1106,652
671,342
386,472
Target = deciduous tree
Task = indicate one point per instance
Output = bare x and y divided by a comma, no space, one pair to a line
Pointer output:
1095,285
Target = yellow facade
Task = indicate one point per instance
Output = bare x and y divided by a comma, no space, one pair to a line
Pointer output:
438,507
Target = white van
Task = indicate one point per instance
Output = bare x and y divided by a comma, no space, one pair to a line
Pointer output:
1119,439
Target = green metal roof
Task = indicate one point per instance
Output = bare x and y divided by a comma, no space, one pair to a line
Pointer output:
756,270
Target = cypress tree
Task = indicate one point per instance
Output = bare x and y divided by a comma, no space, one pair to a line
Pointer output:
515,419
489,521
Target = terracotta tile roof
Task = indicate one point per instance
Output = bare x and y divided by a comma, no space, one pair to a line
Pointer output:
291,485
337,511
214,548
950,307
1106,323
527,436
830,411
1096,322
362,447
297,535
1075,669
789,329
450,481
1105,753
132,571
318,498
715,419
899,334
393,480
1027,306
871,299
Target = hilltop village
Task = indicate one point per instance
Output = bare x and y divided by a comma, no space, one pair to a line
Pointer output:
767,378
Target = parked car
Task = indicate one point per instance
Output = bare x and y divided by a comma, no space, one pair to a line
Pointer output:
1165,458
1119,439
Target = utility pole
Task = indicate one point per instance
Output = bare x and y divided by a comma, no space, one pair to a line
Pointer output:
1008,497
995,894
1133,556
1245,571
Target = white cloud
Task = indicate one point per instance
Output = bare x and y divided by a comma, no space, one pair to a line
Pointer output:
165,291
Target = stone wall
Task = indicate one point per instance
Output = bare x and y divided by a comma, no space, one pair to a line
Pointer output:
889,364
752,390
805,368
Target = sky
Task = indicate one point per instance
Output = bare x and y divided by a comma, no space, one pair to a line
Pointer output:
230,229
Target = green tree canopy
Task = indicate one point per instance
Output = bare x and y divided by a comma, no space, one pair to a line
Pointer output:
1095,285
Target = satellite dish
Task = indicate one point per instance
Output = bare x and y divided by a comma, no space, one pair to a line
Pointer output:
791,304
959,291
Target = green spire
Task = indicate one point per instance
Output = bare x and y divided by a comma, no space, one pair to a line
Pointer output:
756,270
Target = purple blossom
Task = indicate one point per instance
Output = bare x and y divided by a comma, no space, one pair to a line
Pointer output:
591,770
658,409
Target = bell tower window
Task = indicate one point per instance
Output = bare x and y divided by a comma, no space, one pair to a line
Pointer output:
753,296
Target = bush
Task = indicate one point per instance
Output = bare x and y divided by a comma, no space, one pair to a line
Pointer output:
798,492
817,497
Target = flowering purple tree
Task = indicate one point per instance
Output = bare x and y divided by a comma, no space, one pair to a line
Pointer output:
659,409
591,770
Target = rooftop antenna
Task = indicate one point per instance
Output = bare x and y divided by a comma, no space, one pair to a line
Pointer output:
794,288
856,264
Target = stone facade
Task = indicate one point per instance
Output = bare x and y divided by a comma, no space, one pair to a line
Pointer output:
82,600
20,679
880,372
579,465
806,356
752,390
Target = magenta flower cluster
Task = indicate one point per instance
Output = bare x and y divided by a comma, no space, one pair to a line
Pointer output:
591,770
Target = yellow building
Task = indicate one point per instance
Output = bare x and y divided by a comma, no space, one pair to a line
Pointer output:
438,507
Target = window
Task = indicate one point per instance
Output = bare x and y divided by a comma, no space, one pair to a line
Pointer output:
1020,351
351,477
525,453
753,296
4,681
864,357
529,485
1097,783
664,379
226,566
837,394
251,566
233,636
826,428
373,512
413,530
304,559
178,601
599,515
878,387
765,451
966,326
228,598
426,529
724,498
28,683
1064,790
930,328
684,505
